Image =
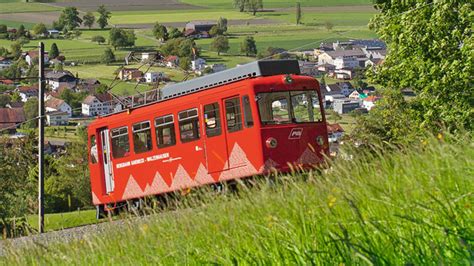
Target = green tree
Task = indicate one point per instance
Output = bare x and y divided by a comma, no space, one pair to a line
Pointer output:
215,31
185,63
4,100
15,97
240,4
77,33
430,51
31,111
54,51
40,29
104,16
3,28
328,25
254,5
174,33
58,67
121,38
69,18
160,32
220,44
98,39
248,46
298,13
15,49
20,32
88,19
108,56
222,25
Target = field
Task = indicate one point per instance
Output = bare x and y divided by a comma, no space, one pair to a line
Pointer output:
281,3
408,206
57,221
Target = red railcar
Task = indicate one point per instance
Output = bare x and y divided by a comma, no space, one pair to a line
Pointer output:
243,122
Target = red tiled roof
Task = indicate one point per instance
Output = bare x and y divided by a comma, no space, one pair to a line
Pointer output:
28,88
372,98
12,115
171,58
7,81
334,128
53,103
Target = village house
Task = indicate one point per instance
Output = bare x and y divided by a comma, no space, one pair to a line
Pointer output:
343,58
7,82
172,61
27,92
151,77
308,68
149,56
335,132
198,64
344,74
369,102
199,29
346,105
32,55
97,104
57,118
53,33
56,79
4,63
15,105
130,74
10,119
53,104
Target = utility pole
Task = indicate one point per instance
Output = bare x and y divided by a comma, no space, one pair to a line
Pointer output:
41,140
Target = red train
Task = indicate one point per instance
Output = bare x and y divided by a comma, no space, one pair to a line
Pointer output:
241,122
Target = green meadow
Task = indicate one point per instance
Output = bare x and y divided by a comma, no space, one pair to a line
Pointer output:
280,3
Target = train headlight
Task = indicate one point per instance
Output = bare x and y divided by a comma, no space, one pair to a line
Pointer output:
271,143
320,140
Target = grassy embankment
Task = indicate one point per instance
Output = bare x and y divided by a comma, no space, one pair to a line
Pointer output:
57,221
411,206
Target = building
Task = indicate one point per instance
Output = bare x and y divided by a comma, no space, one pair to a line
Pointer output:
27,92
130,74
369,102
172,61
53,33
56,79
343,58
32,55
344,74
53,104
97,104
151,77
308,68
199,29
4,63
57,118
198,64
11,118
335,132
149,56
345,105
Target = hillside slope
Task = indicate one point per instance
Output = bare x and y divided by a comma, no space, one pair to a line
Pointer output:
413,206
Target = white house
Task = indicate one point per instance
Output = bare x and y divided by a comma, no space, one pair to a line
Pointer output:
369,102
335,132
30,56
148,56
57,79
27,92
342,58
98,104
53,33
57,118
198,64
4,63
57,105
151,77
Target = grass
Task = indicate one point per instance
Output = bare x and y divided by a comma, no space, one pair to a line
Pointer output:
402,206
26,8
57,221
138,17
16,24
280,3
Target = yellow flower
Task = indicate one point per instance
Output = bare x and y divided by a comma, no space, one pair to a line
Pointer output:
331,201
440,136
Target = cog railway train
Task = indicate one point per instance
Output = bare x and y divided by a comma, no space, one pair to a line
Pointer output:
246,121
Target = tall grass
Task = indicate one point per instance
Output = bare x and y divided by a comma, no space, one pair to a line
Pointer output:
407,206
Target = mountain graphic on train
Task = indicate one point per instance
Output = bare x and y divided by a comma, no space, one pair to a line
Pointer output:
249,120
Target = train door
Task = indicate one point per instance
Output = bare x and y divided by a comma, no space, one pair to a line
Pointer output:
106,160
215,137
235,134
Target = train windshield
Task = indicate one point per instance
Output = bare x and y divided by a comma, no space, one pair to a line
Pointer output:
287,107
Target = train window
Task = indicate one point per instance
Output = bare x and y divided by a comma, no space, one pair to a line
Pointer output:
120,144
302,108
93,152
141,137
188,125
318,116
212,119
248,119
233,115
165,134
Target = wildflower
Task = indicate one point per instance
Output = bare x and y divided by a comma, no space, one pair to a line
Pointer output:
331,201
440,136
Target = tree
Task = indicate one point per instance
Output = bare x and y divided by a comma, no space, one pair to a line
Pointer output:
254,5
31,111
121,38
57,25
58,67
15,49
40,29
184,63
3,28
174,33
220,44
222,25
248,46
181,47
298,13
20,32
77,34
4,100
104,16
240,4
15,97
334,115
98,39
160,32
69,18
54,52
328,25
88,19
214,31
108,56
